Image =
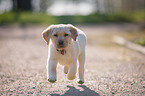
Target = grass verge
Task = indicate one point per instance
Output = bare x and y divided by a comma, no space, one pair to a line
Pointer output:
43,18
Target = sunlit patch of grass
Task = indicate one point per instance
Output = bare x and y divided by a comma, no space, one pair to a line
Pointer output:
141,41
137,37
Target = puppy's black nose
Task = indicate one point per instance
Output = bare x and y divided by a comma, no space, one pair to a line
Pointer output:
60,42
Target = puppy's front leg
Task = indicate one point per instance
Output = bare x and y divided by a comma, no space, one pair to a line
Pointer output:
51,70
81,60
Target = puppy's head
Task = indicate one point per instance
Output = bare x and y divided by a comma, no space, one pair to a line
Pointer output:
61,35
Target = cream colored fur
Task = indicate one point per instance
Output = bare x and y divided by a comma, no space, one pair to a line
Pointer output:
75,51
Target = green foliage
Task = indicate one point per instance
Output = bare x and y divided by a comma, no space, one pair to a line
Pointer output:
7,18
27,18
36,18
138,16
42,18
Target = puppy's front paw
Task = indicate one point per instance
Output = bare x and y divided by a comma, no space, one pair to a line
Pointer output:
71,77
80,82
52,79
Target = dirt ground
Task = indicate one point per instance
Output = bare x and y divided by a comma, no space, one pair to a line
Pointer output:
110,69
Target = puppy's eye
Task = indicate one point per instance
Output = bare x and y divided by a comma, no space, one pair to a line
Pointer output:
65,35
55,35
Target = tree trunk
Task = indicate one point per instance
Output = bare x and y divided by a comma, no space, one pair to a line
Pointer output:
24,5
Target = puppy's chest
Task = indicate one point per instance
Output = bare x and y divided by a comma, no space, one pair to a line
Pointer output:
67,58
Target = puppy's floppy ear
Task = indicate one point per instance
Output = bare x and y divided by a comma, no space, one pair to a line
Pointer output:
74,32
46,34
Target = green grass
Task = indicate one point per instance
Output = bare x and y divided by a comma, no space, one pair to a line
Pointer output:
42,18
141,41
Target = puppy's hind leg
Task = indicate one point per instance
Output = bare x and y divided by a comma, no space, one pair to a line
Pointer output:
72,71
81,60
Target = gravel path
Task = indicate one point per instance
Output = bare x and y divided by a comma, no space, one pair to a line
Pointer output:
110,69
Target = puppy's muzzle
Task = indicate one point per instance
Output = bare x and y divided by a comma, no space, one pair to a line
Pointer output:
60,42
61,47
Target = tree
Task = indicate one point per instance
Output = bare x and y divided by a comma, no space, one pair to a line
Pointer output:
24,5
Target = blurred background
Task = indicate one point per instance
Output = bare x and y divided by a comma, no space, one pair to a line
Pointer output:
71,11
110,69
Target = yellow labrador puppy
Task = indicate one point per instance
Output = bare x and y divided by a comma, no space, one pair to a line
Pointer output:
66,47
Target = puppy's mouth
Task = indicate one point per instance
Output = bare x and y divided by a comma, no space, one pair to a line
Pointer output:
60,47
63,51
61,44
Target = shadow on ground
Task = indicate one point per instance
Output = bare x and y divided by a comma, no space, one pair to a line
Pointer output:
76,92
